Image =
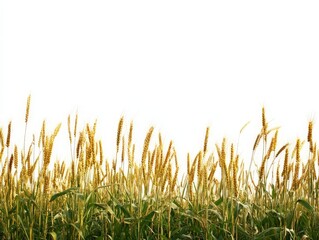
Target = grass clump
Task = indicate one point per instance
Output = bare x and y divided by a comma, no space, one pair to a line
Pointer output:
128,197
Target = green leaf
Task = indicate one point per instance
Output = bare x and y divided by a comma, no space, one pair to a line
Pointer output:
216,213
124,210
98,205
79,231
149,216
305,204
53,235
173,206
57,195
109,210
219,201
23,227
273,232
89,198
184,236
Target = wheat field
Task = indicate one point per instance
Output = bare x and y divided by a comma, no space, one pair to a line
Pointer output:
147,197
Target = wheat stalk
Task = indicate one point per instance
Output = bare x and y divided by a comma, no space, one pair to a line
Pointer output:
119,131
206,140
145,147
8,135
297,165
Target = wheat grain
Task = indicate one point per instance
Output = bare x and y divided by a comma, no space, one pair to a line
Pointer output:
257,142
262,169
206,141
188,164
1,138
309,136
174,179
79,144
130,135
69,129
222,160
204,177
16,156
235,168
199,164
212,172
274,145
42,134
297,165
8,135
123,150
281,150
56,130
27,109
145,148
285,167
264,123
168,154
119,131
46,185
277,177
75,125
10,164
101,152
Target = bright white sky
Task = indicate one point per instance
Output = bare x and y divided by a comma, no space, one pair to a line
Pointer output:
177,65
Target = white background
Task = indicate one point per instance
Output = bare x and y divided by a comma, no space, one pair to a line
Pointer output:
177,65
